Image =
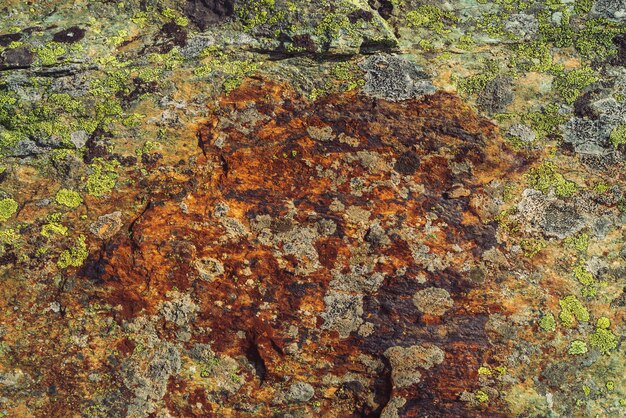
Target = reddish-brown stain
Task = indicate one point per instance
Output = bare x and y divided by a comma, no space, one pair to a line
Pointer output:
273,166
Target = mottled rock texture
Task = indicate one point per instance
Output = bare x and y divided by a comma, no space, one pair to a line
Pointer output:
285,208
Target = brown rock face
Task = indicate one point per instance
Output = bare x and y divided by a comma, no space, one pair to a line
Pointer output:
303,242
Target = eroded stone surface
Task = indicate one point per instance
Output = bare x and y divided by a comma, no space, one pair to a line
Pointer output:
293,226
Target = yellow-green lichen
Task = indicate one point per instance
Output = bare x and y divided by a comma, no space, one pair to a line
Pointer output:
572,310
233,70
50,53
75,256
579,242
484,371
8,207
578,347
102,178
481,396
9,237
52,228
431,17
618,135
532,246
571,84
583,275
545,178
69,198
603,340
547,322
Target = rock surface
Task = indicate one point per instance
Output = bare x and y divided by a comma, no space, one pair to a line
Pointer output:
312,208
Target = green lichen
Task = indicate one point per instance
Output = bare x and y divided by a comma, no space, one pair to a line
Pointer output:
547,323
610,386
50,53
493,25
481,396
8,207
102,178
618,135
52,228
9,237
75,256
603,340
169,60
579,242
119,37
474,84
255,13
583,275
545,178
603,322
561,35
546,122
532,246
535,56
431,17
69,198
572,310
571,84
578,347
348,74
484,371
582,7
595,40
234,71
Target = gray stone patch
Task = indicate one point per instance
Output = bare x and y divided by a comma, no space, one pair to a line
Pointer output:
355,282
562,221
433,300
394,78
612,9
180,310
522,132
209,268
496,96
146,376
406,362
343,313
524,26
589,136
106,226
79,139
300,392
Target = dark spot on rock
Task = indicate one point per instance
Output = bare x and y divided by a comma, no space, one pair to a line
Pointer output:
304,42
407,164
16,58
151,159
70,35
383,7
620,42
204,13
95,147
141,88
125,160
360,14
8,258
6,39
171,35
